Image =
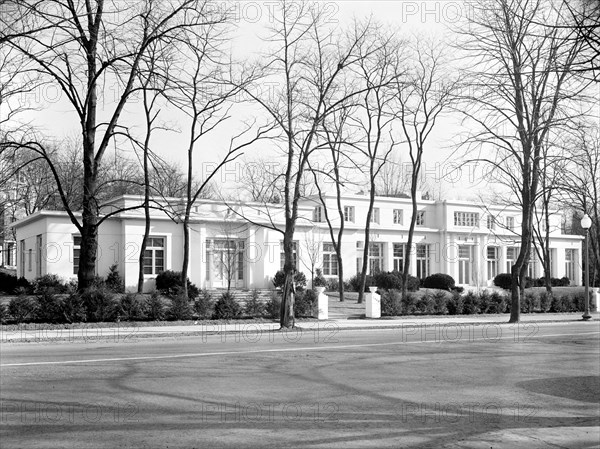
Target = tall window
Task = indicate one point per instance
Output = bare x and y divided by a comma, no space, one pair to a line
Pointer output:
491,222
492,262
399,256
30,260
532,267
375,215
318,214
330,264
570,261
423,257
76,252
349,213
360,246
420,218
464,264
294,254
38,256
154,256
510,223
375,257
398,216
511,257
468,219
22,257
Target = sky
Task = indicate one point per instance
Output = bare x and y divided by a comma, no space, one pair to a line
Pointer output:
251,19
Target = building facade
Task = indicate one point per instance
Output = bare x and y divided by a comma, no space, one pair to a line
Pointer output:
241,244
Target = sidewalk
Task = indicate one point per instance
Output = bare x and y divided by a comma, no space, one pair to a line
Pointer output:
128,331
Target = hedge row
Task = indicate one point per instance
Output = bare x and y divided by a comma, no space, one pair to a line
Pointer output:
442,303
99,304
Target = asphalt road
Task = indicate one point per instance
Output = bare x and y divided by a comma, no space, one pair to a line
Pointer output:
439,386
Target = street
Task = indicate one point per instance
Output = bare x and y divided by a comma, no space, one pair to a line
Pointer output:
531,385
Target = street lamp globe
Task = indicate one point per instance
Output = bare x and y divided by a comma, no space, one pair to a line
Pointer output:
586,222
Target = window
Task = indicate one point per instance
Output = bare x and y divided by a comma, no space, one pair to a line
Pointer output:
468,219
398,216
154,256
29,262
423,261
76,252
399,256
570,260
38,256
375,215
510,223
318,214
294,255
511,257
421,218
492,262
532,268
22,256
360,246
330,263
491,222
225,259
375,257
464,264
349,213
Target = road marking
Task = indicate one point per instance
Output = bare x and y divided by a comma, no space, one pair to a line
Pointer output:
263,351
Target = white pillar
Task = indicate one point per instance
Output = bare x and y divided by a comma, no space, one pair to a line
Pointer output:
322,312
373,304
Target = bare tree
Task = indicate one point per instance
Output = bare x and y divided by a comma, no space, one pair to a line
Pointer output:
378,70
580,186
423,96
308,61
79,47
522,75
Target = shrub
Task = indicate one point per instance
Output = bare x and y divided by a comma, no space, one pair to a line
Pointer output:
545,301
49,281
319,280
73,308
299,280
425,304
114,281
354,283
48,306
156,307
133,307
100,304
3,313
440,300
529,302
226,307
457,289
439,280
22,309
273,306
386,280
180,307
169,283
409,304
503,280
254,306
494,302
203,305
455,304
9,283
471,304
333,285
391,303
304,302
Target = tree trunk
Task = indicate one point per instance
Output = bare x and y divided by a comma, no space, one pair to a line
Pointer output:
288,295
186,252
363,273
340,276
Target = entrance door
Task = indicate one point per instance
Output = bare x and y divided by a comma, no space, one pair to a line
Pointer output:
225,263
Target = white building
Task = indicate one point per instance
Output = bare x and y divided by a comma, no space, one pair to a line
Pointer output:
472,243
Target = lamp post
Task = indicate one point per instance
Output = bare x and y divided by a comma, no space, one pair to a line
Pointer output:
586,223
